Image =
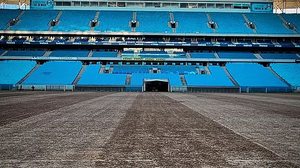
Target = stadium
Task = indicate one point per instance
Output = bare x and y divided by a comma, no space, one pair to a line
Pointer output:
138,83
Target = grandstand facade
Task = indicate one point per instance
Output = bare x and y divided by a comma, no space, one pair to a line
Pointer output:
249,50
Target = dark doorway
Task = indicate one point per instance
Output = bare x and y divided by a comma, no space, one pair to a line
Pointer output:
156,86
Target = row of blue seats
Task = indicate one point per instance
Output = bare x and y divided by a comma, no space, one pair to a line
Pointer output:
84,53
152,22
64,73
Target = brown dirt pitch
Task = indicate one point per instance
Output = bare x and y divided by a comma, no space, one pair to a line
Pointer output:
95,129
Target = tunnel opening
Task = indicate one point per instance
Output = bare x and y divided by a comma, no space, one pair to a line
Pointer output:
156,86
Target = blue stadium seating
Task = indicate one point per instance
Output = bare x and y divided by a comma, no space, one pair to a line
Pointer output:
154,22
13,71
177,69
54,73
279,56
216,78
253,75
230,23
236,55
268,23
69,53
202,55
6,16
105,54
137,79
75,21
154,54
129,69
289,72
92,77
35,20
294,19
33,53
191,22
114,21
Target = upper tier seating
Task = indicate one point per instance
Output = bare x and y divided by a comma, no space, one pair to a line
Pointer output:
11,72
92,77
113,21
177,69
128,69
202,55
253,75
294,19
6,16
289,72
230,23
279,56
191,22
32,53
236,55
154,54
268,23
105,54
137,79
35,20
75,20
69,53
153,22
216,78
54,73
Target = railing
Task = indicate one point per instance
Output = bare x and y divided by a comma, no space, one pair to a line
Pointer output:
46,87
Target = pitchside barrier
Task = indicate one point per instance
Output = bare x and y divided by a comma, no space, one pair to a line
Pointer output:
46,87
266,89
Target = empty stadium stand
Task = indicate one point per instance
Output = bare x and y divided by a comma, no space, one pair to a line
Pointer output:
215,77
29,53
54,73
69,53
255,76
236,55
81,21
6,17
279,56
11,72
34,20
105,54
289,72
113,21
153,22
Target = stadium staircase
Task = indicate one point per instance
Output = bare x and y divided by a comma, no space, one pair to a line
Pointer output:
47,53
182,79
210,20
90,53
285,23
128,79
78,77
29,74
248,21
56,18
4,53
230,77
133,29
258,56
298,55
95,18
278,76
172,20
216,55
17,18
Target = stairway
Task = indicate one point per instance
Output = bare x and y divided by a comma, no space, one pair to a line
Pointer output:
29,73
230,77
183,81
247,21
56,18
78,77
278,76
17,18
128,79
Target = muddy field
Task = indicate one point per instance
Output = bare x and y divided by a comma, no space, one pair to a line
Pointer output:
82,129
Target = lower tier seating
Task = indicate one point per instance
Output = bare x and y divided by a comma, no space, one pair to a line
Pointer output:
289,72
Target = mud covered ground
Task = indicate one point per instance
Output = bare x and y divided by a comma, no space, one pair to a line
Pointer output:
85,129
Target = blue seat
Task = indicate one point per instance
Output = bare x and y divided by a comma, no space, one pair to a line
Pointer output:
105,54
6,16
216,78
279,56
75,20
236,55
202,55
11,72
69,53
92,77
35,20
289,72
153,22
33,53
114,21
54,73
253,75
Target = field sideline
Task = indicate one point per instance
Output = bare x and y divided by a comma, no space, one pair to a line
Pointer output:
102,129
